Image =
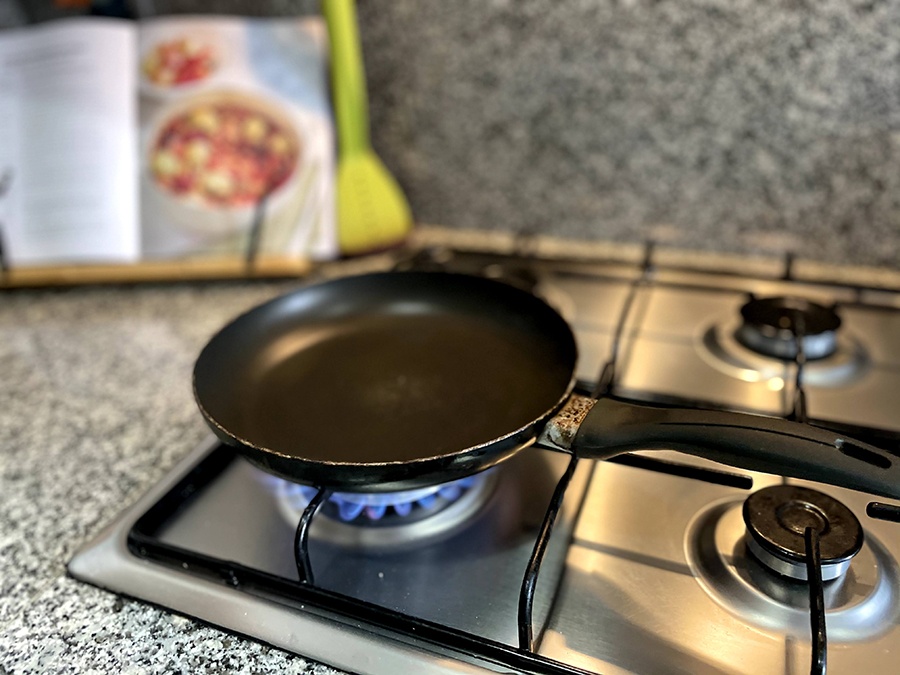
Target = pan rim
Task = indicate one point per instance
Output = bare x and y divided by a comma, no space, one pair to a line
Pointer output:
570,387
240,442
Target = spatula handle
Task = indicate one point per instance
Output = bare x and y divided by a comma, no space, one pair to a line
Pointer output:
348,80
751,442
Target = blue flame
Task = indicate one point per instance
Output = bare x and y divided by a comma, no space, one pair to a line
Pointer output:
374,506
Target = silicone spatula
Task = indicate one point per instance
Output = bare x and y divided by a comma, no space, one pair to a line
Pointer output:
371,209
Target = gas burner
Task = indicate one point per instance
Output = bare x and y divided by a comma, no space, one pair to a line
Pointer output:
513,271
771,327
383,509
759,345
859,603
777,517
429,259
388,519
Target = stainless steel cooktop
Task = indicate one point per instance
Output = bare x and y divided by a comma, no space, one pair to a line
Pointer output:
648,566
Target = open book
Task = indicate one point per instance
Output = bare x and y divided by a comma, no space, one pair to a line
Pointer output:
182,139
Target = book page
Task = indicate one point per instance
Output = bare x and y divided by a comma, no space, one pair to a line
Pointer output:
234,111
68,143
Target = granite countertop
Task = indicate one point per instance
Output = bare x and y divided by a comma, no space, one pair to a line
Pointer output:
95,407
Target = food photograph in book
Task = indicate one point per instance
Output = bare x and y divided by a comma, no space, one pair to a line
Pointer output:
236,138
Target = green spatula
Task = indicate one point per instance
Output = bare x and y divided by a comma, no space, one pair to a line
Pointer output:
371,209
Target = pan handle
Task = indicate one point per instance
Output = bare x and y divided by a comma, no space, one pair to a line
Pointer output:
750,442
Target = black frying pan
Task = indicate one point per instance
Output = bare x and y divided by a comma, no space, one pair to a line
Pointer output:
394,381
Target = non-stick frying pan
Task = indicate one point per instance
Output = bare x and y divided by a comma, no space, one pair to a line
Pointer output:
393,381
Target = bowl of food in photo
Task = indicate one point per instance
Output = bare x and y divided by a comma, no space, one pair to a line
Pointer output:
211,157
172,65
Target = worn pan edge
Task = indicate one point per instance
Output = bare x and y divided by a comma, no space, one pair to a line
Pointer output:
258,455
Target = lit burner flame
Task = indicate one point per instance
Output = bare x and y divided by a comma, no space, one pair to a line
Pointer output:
370,506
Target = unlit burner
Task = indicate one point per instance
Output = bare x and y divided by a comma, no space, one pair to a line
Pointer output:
771,326
777,517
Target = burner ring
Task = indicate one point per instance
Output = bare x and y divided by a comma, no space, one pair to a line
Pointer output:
782,344
719,346
386,532
771,326
777,517
778,313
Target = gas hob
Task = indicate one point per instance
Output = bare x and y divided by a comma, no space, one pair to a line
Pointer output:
651,563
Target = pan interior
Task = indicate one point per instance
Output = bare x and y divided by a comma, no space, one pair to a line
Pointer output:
407,382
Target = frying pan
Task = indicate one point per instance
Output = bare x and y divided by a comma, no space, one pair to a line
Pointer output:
394,381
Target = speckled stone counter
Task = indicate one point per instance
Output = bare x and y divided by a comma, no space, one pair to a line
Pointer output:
95,406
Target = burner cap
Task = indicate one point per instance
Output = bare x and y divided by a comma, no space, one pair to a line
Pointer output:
771,325
776,519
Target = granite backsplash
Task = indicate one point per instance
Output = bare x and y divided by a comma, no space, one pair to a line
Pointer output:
746,126
743,126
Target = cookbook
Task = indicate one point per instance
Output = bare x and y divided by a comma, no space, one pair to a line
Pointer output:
173,139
